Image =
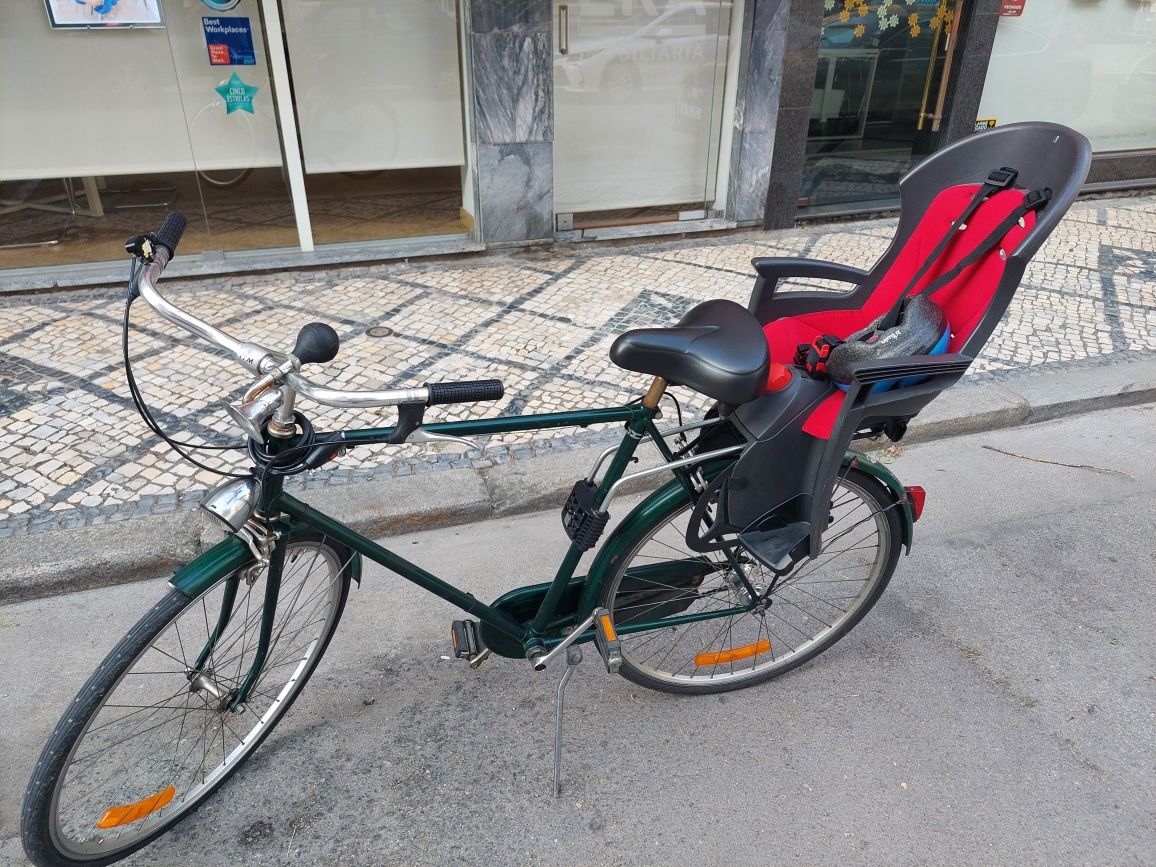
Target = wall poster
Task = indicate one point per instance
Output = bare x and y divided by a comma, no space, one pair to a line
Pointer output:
66,14
230,41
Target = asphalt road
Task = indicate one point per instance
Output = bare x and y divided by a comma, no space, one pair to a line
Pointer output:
996,707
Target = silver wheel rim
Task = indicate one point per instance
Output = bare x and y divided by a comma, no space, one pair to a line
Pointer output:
621,85
307,606
809,606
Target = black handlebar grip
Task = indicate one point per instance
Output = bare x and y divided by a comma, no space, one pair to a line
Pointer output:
169,234
316,343
464,392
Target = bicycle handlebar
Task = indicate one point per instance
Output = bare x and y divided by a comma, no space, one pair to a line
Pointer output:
170,232
257,359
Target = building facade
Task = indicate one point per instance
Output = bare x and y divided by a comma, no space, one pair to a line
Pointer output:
311,131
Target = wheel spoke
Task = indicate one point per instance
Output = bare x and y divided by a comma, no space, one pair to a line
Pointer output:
811,607
164,725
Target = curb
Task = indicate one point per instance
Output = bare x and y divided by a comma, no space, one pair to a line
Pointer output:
65,561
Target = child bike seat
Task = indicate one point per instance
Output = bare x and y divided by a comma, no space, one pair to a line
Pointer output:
717,348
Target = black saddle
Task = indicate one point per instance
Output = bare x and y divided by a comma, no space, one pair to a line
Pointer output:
717,348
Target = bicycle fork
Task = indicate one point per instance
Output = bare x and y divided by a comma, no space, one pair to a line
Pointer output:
234,701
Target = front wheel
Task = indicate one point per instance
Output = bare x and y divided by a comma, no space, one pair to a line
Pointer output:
150,735
800,614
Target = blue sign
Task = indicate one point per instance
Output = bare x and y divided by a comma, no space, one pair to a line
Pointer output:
230,41
237,94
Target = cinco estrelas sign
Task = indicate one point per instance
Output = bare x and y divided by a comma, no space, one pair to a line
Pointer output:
237,94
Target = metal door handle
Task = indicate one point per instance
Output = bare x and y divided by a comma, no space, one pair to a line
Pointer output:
563,29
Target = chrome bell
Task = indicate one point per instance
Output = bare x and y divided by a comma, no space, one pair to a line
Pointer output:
251,416
233,501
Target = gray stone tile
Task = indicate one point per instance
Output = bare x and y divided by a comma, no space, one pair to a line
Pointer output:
761,102
750,181
511,16
516,191
513,88
790,146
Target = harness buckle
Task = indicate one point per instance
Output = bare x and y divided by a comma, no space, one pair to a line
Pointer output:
1001,178
812,357
1036,199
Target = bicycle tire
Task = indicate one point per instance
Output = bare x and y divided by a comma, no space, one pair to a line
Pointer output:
883,508
40,831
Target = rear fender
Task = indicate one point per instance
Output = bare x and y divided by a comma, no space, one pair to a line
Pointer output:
885,477
650,510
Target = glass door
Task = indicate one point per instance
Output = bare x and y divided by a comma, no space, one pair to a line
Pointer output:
877,104
637,109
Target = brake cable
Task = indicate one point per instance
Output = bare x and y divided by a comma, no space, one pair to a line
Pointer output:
142,409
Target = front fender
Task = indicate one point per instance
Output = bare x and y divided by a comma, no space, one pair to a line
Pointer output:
643,516
224,558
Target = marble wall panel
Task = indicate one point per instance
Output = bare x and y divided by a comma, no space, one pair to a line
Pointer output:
513,88
516,191
510,16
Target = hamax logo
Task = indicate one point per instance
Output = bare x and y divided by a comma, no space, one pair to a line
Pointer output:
221,5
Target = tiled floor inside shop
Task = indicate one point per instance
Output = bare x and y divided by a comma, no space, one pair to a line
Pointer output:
227,210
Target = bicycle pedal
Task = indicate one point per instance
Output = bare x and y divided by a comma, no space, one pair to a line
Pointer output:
468,643
606,639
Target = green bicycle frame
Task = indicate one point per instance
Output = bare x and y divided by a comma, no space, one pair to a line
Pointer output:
534,634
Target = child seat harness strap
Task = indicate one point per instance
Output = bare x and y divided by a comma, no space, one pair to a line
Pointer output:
813,357
998,179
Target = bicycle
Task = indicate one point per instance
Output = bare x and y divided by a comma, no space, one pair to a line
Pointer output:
200,681
770,542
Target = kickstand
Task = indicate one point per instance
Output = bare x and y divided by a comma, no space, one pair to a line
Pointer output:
573,658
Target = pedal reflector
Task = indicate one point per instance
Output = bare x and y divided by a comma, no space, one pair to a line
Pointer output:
714,657
607,628
123,814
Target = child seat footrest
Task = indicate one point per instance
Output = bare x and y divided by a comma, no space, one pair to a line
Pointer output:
775,549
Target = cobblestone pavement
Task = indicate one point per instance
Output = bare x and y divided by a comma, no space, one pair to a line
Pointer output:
73,451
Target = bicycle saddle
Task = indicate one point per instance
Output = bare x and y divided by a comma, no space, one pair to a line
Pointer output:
717,348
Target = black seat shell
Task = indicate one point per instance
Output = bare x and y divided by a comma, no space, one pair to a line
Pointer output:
717,348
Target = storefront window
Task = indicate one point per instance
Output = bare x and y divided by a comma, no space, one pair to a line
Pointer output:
115,113
107,127
878,99
378,91
1088,64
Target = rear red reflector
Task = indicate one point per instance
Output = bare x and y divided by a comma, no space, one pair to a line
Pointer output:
917,496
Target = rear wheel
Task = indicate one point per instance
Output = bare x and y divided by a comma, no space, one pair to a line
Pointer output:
150,737
804,613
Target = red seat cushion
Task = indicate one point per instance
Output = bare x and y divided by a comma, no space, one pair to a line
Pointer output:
964,300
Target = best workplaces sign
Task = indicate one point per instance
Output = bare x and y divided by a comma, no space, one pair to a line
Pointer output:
230,41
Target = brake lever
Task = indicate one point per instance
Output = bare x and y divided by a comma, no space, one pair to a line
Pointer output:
409,418
421,435
409,429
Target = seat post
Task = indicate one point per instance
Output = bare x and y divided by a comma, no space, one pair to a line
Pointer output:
654,393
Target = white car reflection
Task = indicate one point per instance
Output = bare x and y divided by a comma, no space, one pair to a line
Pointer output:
619,62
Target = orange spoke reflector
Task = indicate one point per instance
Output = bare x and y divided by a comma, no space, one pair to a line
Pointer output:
123,814
732,654
608,628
